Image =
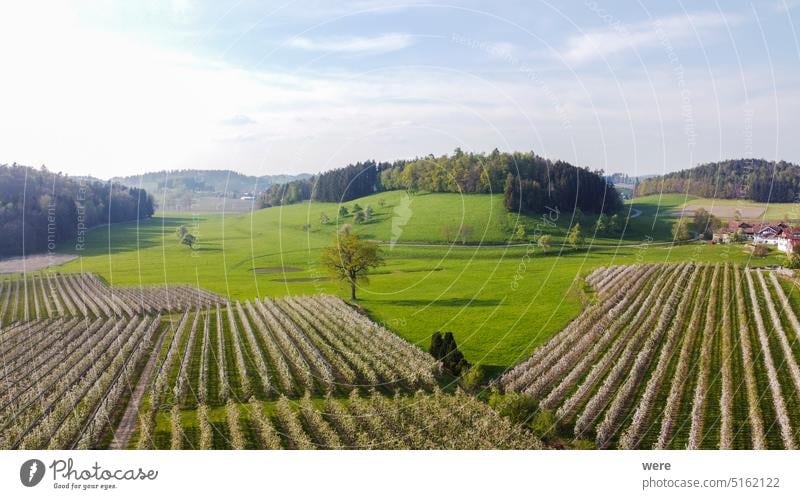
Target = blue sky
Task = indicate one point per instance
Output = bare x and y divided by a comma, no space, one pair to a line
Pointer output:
114,87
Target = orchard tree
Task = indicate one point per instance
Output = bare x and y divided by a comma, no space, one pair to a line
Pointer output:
545,241
575,237
350,259
185,237
189,240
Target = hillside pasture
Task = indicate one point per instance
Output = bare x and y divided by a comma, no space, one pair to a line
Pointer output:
499,301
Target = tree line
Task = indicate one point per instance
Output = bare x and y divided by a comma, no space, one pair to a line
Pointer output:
43,208
755,179
528,182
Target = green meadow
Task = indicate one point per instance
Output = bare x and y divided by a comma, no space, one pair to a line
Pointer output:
499,300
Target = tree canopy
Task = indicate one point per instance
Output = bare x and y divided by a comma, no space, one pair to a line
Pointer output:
528,182
350,259
575,237
40,209
755,179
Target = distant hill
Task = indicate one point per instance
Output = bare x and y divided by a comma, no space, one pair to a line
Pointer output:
205,190
223,182
755,179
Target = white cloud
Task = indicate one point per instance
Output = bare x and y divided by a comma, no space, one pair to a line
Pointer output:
387,42
616,37
97,103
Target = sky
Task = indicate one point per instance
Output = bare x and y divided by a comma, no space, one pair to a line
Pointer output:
109,88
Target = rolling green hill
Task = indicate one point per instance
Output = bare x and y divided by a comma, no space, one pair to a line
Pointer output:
499,301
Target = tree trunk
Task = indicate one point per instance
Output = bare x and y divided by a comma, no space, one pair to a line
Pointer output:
353,290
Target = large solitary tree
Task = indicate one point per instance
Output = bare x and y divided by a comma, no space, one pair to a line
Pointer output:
350,259
185,237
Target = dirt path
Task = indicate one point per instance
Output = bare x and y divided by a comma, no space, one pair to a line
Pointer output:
128,421
32,263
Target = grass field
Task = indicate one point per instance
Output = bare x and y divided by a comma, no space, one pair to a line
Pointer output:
500,302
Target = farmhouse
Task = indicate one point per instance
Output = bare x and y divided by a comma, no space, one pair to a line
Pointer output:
780,235
788,240
724,235
769,234
747,230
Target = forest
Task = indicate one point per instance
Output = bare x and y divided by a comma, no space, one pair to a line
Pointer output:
529,182
40,209
755,179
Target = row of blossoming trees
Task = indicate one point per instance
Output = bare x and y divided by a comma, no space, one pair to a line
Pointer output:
305,373
422,420
674,356
89,366
62,379
40,295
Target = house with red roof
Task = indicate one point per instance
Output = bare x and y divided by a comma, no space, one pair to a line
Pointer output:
780,235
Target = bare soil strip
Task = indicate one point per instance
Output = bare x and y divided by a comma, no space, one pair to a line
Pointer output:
128,421
32,263
724,211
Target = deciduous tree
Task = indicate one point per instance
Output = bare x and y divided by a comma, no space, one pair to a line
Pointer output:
545,241
680,230
575,237
350,259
